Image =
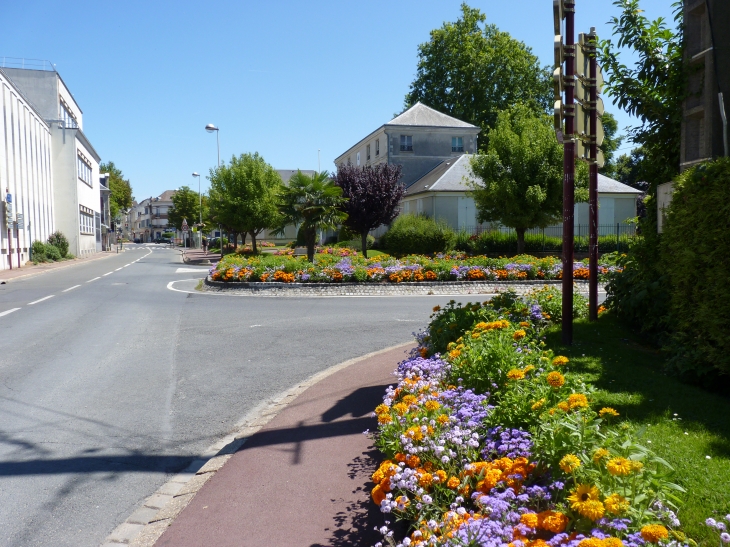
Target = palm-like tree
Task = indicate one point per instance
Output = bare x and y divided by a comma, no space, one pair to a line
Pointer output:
313,202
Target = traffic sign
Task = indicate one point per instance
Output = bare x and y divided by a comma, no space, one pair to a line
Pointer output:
20,221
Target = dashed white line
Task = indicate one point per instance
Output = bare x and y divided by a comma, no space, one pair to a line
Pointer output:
107,273
90,280
8,312
41,299
118,269
71,288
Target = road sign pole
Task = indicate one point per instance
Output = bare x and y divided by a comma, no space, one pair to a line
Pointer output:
593,188
568,173
17,241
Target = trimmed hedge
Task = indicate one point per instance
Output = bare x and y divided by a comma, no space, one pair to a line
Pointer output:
418,234
696,257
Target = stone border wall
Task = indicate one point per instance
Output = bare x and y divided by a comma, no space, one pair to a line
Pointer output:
379,289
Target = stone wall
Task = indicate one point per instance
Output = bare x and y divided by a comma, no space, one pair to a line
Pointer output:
379,289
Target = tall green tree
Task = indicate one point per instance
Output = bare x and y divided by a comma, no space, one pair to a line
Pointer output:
611,143
471,70
312,202
520,177
185,206
651,88
120,196
244,195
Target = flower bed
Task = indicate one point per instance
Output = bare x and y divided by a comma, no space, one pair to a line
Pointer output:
332,266
490,440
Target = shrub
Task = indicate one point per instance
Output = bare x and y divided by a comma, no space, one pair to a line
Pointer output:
58,240
52,252
356,243
695,248
418,234
38,250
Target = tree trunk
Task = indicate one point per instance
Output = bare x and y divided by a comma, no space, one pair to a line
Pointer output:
310,237
520,240
364,236
253,241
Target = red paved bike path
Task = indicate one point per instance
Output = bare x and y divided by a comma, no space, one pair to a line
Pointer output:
303,480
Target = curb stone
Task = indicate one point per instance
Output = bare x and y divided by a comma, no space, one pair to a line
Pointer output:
438,288
148,522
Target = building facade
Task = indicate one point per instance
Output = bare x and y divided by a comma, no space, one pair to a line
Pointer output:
26,174
75,162
149,218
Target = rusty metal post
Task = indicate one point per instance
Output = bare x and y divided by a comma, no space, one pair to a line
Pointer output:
569,173
593,189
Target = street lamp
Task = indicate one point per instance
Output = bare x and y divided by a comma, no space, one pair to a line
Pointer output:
200,209
210,128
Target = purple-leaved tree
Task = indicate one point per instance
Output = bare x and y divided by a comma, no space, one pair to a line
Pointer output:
373,194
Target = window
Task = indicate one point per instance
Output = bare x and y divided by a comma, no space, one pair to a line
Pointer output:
457,144
406,143
86,220
368,152
84,168
377,147
358,158
67,116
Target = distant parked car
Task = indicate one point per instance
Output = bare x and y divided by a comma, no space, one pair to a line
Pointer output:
137,240
165,240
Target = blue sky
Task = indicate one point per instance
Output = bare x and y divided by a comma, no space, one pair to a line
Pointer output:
282,78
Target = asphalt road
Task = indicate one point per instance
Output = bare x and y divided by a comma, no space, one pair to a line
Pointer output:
110,381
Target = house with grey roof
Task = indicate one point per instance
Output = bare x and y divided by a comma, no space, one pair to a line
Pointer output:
419,139
443,193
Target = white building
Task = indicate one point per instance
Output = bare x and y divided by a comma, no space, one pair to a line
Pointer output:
26,173
75,163
149,217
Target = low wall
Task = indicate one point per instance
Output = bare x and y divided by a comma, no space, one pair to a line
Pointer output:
379,289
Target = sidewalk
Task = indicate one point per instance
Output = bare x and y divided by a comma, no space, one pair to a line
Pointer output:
31,269
198,256
302,480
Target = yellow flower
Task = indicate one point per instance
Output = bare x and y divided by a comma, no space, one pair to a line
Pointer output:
432,405
562,405
453,483
441,475
414,433
400,408
599,454
476,336
524,324
636,466
443,419
569,463
555,379
591,542
384,419
619,466
425,480
515,374
409,399
613,542
591,509
582,494
560,360
529,519
577,400
454,353
607,411
436,308
616,504
519,334
654,532
382,409
538,405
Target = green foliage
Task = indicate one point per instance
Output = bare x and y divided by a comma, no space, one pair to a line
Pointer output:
521,173
52,253
695,251
611,143
472,71
418,234
38,252
506,242
58,240
653,89
314,202
185,206
244,195
120,196
357,243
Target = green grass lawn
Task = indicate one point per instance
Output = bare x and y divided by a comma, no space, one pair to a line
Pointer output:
684,424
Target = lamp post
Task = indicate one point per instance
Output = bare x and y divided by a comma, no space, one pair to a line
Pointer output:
210,128
200,209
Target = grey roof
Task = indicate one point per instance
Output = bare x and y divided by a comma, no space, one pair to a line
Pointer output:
447,176
286,174
420,114
453,176
610,186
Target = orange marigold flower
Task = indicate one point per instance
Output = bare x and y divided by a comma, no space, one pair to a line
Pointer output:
654,532
425,480
453,483
552,521
519,334
432,405
436,308
382,409
400,408
399,457
441,475
454,353
524,324
423,352
577,400
555,379
377,494
591,542
562,405
560,360
413,461
529,519
384,419
613,542
515,374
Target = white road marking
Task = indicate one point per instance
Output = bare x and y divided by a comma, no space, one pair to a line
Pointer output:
107,273
71,288
8,312
252,326
118,269
90,280
41,299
